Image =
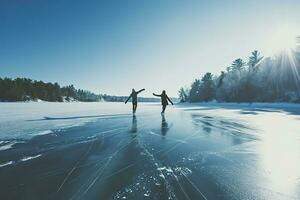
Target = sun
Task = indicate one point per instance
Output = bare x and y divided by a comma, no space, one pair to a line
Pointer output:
282,40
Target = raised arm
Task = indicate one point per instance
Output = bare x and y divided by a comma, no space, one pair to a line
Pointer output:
156,95
128,98
170,100
140,90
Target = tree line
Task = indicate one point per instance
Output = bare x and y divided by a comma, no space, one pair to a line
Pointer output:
258,79
24,89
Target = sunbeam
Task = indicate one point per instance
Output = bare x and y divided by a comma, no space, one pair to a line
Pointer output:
281,40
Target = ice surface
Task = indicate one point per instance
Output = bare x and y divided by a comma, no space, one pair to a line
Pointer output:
194,151
26,120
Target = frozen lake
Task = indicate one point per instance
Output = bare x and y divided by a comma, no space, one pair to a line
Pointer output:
101,151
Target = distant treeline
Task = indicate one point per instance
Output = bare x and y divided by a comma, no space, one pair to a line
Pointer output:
24,89
258,79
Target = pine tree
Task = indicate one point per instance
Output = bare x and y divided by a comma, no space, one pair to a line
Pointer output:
194,94
182,95
207,87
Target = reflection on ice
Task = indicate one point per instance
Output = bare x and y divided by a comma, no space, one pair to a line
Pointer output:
164,125
134,124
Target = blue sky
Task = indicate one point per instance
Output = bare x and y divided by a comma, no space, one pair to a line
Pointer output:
112,46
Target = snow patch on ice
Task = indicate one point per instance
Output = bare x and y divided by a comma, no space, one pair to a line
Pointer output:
183,170
153,133
44,132
163,176
92,137
30,157
167,169
128,190
146,194
7,145
7,163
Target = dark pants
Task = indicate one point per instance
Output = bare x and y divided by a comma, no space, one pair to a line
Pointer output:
134,106
164,107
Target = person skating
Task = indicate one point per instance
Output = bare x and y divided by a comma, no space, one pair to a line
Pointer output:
134,99
164,100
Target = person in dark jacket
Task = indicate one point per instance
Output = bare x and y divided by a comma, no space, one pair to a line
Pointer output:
164,100
134,99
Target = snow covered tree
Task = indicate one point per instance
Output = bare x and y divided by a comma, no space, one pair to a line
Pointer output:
238,65
207,88
182,95
194,94
254,59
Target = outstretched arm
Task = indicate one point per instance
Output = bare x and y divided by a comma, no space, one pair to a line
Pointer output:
128,98
156,95
140,90
170,100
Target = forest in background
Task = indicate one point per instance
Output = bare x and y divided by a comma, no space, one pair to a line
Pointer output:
257,79
24,89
